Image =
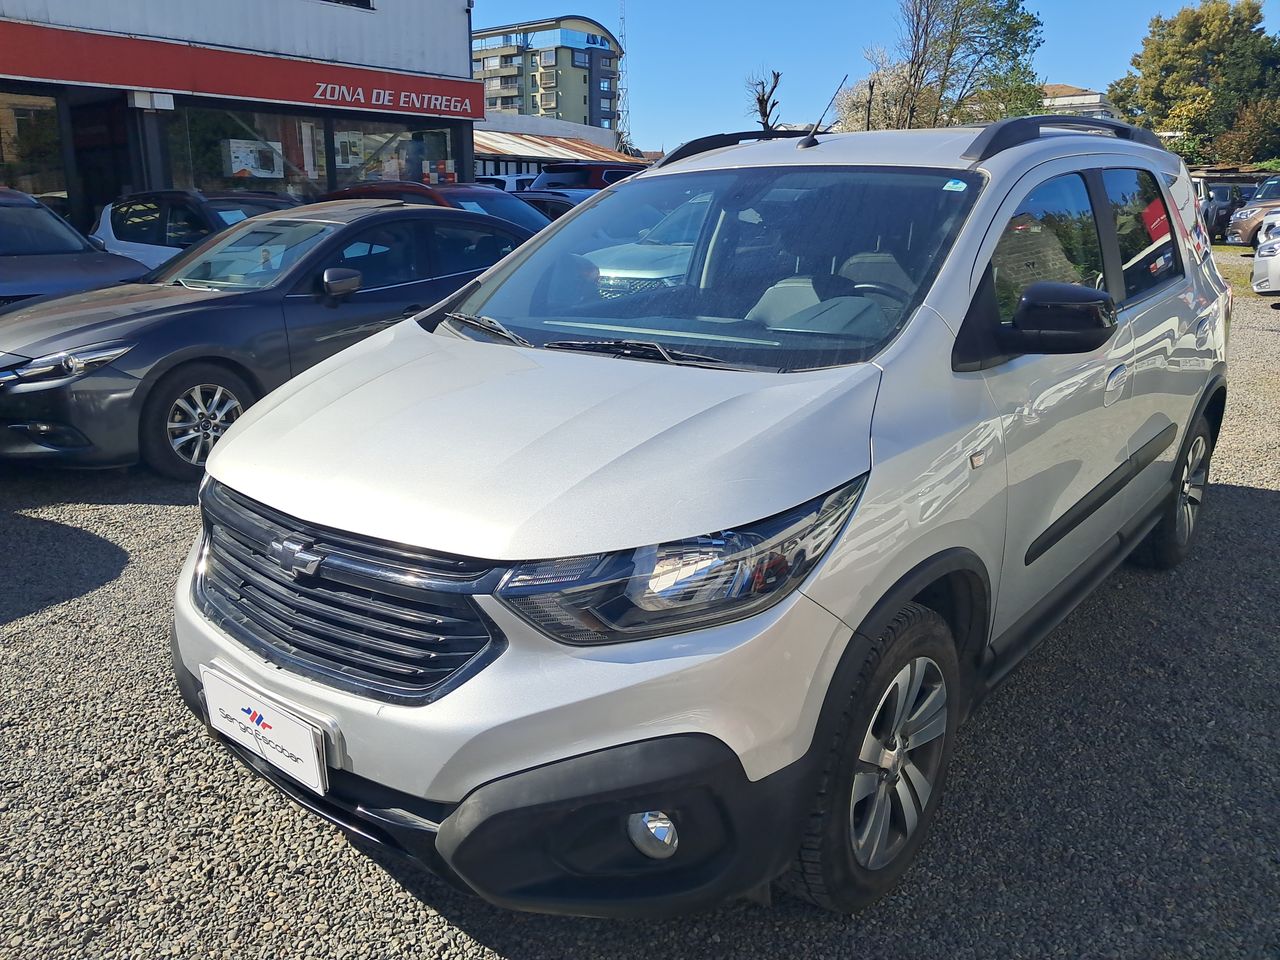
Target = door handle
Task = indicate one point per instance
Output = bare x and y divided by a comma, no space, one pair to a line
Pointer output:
1116,381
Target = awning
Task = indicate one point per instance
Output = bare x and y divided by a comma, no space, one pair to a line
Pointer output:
490,144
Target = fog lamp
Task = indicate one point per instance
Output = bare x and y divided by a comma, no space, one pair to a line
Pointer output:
653,834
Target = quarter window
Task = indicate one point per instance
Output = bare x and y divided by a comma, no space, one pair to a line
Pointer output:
1148,251
1052,236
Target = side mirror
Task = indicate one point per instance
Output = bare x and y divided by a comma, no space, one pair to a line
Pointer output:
97,243
341,282
1060,318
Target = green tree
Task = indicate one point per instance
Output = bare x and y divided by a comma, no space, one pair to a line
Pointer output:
1197,69
957,61
1254,136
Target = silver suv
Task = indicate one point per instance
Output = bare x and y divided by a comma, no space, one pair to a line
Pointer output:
621,602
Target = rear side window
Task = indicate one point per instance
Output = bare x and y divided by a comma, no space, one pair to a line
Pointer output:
185,226
138,221
1148,251
464,248
1052,236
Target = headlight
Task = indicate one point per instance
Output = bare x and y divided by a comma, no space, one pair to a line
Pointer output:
1268,250
681,585
1244,213
69,363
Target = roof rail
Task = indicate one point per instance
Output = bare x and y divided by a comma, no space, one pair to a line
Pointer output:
1006,134
718,140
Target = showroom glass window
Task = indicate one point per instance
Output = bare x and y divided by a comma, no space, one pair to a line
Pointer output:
31,149
214,149
385,150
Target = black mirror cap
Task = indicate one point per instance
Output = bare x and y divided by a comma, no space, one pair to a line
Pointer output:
341,281
1060,318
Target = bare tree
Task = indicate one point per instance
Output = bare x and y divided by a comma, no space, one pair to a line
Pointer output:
762,88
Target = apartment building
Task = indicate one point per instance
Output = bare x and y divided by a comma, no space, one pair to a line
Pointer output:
565,68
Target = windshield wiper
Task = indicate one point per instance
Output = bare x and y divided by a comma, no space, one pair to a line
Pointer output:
489,325
647,349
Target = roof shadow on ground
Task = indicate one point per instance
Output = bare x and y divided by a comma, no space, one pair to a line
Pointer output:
30,580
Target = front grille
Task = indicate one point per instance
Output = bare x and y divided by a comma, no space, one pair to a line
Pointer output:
613,287
381,619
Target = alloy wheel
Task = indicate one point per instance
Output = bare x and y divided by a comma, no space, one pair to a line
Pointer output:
1195,476
898,763
199,418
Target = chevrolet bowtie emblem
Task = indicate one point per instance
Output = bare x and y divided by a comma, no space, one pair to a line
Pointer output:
294,557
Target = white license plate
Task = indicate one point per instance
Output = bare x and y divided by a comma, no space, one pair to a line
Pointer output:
280,737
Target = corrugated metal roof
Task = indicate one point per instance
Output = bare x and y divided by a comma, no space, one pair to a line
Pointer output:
491,143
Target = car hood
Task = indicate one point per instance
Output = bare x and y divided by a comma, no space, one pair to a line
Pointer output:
56,274
94,316
642,260
505,453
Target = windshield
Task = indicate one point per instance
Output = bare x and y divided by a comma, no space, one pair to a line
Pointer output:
497,203
35,231
254,254
1270,190
782,268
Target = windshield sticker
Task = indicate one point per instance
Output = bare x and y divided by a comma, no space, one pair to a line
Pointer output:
955,186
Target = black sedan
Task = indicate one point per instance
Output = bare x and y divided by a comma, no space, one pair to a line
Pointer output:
41,254
158,370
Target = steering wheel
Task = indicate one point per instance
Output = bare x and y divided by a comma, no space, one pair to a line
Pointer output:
903,297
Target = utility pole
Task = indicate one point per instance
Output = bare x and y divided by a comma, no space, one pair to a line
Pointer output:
623,123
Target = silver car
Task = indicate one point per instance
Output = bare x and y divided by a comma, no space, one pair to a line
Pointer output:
625,602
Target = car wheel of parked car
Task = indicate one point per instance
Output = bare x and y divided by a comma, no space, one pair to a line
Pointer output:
1169,542
885,771
185,415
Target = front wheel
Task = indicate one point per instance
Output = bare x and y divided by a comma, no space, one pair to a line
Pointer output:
885,769
186,413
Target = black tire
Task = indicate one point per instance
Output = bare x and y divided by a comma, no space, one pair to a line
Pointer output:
157,450
1169,542
827,870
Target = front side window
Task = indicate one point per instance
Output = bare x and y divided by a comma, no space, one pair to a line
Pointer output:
1052,236
254,254
1270,190
1148,251
780,268
386,255
31,231
137,222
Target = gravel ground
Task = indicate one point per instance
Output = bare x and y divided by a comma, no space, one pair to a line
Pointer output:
1117,797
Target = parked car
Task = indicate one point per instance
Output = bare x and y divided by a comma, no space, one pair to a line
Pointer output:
156,226
160,369
555,203
1242,228
621,606
477,198
1266,267
42,255
509,182
590,176
1221,201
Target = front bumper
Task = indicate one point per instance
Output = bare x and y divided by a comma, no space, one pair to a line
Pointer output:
553,839
87,421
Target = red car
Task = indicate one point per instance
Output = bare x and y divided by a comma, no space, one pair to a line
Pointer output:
478,198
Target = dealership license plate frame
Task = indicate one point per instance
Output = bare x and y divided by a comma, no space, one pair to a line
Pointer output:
288,732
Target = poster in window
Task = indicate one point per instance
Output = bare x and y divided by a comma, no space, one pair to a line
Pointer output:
253,158
348,146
